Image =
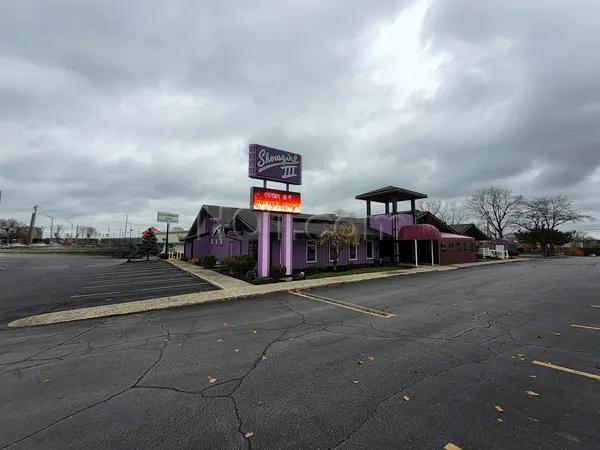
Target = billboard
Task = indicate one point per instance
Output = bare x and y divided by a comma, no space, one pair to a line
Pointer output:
272,200
167,217
266,163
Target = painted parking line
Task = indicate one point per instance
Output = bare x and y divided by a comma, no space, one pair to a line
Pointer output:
134,282
595,306
347,305
586,327
131,275
128,291
566,369
145,277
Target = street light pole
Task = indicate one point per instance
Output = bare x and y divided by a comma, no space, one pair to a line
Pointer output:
129,254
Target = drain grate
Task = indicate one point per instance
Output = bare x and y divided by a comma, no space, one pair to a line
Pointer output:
343,304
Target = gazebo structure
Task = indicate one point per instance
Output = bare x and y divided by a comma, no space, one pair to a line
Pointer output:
390,196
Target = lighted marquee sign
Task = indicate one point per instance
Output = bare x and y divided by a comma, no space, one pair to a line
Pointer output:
266,163
272,200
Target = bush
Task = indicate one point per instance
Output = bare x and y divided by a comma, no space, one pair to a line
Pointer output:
238,264
386,260
299,276
315,269
573,251
513,253
278,271
251,275
354,266
194,261
184,258
208,261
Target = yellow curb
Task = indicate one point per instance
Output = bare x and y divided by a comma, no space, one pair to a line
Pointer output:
200,298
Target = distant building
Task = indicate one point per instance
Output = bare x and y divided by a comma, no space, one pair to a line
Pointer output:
174,237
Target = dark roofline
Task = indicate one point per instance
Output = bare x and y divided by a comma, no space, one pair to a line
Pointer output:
388,193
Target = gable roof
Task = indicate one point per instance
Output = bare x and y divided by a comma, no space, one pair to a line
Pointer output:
470,229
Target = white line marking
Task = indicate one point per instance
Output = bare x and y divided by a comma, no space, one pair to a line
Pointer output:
595,306
131,278
177,286
133,282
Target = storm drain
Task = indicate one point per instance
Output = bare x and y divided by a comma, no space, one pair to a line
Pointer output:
343,304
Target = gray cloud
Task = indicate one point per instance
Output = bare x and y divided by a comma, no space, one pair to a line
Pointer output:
108,108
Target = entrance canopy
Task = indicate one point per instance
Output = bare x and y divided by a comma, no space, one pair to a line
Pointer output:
419,232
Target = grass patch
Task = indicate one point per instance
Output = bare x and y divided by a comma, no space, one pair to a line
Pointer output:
355,271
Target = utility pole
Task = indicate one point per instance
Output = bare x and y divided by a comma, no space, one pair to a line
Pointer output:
126,222
51,228
77,235
31,225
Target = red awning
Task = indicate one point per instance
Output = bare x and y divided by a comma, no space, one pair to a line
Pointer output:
420,232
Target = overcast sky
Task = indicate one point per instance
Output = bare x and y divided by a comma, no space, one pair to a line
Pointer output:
114,107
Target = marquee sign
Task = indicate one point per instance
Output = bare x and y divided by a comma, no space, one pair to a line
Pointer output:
266,163
272,200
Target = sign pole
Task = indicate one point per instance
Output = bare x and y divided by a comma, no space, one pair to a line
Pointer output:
264,243
167,242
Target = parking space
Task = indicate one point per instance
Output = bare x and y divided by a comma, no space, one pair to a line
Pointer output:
35,284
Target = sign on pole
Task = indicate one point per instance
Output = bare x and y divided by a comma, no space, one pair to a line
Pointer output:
272,164
166,217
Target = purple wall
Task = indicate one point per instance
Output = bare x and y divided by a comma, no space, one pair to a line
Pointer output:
384,222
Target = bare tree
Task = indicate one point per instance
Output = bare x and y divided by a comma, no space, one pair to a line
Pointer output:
58,229
450,212
497,207
176,229
549,213
433,206
543,215
89,232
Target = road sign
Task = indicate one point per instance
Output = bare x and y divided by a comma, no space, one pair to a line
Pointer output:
167,217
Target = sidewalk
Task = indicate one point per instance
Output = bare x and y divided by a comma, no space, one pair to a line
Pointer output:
228,289
486,263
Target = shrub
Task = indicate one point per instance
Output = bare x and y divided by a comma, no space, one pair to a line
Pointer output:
573,251
513,253
354,266
299,276
278,271
238,264
251,275
185,258
386,260
194,261
315,269
208,261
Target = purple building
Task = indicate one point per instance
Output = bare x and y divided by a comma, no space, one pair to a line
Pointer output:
222,231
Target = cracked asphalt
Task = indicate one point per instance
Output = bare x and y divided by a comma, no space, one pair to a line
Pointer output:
288,369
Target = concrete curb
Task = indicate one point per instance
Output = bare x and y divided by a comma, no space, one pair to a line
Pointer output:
118,309
489,263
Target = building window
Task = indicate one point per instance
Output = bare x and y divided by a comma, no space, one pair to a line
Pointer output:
443,247
253,249
331,253
472,247
450,246
311,251
369,249
353,252
458,249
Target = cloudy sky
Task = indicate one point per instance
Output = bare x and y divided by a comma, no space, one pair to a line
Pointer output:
114,107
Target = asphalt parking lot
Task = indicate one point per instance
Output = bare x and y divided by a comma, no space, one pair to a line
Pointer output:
496,357
34,284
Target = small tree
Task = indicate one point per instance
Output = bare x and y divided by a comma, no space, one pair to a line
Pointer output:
337,236
149,245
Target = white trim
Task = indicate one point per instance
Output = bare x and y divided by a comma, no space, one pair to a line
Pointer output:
350,258
372,249
306,247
